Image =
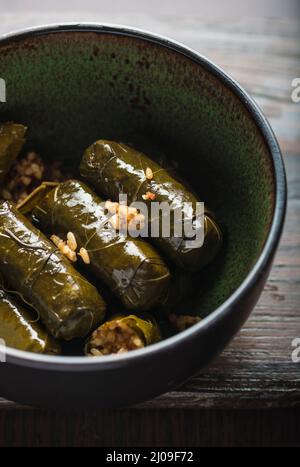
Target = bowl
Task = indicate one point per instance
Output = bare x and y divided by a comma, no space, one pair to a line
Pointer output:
72,84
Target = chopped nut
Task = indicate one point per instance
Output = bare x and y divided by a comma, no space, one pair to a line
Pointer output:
111,206
182,322
84,255
57,240
64,248
71,255
149,173
149,195
71,241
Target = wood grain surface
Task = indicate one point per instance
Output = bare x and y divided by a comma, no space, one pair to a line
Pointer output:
256,370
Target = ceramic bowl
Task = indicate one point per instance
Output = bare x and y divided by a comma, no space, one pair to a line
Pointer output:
73,84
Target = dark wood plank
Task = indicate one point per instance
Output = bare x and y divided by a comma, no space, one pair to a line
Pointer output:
256,370
165,428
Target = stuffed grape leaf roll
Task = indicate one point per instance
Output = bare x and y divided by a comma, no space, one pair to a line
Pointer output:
19,329
112,168
130,267
68,304
11,142
123,333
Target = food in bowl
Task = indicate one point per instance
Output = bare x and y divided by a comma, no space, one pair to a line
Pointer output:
122,334
130,267
71,84
113,168
19,329
68,304
62,245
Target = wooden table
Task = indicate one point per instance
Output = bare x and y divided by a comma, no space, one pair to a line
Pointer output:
251,393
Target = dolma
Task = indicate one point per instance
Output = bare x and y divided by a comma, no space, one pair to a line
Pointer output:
123,333
113,168
67,303
18,328
11,142
130,267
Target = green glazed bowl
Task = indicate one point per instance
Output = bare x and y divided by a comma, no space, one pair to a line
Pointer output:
73,84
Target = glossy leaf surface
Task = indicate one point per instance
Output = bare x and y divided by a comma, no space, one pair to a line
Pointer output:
68,304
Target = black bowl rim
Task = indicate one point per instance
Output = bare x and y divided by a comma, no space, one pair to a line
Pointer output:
63,363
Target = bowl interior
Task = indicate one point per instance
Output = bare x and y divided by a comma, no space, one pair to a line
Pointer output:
71,88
